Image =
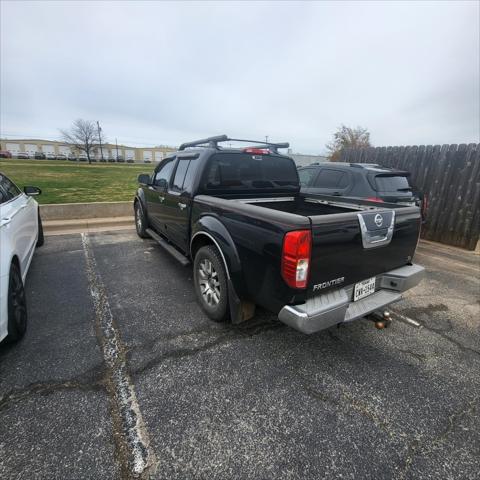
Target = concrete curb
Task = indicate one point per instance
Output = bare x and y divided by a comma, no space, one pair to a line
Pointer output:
71,211
62,227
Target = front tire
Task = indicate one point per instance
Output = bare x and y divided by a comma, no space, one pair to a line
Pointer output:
140,221
17,306
211,283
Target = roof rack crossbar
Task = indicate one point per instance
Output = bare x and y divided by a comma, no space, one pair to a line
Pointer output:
275,146
214,141
211,141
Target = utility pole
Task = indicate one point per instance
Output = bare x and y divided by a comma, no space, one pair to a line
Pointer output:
100,140
116,146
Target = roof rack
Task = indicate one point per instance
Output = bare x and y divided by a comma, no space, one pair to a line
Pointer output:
214,141
364,165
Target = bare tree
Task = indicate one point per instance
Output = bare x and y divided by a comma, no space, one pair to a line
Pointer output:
346,137
83,136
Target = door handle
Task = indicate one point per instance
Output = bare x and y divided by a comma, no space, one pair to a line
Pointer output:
162,199
182,205
5,221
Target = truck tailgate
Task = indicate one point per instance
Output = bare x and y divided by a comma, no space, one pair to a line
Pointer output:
354,246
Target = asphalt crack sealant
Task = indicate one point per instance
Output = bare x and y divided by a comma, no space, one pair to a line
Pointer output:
135,454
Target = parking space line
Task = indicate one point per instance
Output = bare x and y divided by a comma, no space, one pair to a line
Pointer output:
139,456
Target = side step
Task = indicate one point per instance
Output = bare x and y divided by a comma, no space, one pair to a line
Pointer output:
169,248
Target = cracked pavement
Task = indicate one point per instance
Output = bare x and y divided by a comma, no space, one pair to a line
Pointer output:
257,400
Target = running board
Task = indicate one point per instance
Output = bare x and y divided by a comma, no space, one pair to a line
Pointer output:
169,248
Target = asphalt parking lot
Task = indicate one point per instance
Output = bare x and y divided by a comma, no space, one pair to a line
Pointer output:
121,374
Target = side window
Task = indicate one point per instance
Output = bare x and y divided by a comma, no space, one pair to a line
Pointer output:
330,179
3,195
165,172
9,188
190,175
306,176
180,173
344,181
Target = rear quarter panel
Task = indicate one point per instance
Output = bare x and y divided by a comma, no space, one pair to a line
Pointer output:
258,235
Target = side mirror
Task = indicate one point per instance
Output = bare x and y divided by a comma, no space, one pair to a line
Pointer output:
32,191
161,182
144,179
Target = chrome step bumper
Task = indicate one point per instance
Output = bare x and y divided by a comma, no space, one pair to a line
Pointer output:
323,311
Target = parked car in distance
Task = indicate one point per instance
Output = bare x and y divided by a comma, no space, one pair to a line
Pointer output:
130,160
20,232
51,156
72,157
358,180
82,157
61,156
147,160
5,154
40,156
23,155
238,215
111,160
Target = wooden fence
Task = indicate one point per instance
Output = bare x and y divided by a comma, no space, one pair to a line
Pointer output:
450,177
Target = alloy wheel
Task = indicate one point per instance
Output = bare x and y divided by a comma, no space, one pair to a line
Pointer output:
209,283
138,218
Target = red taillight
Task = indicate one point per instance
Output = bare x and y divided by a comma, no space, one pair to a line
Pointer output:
257,151
374,199
297,249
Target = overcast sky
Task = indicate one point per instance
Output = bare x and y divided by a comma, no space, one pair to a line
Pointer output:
163,73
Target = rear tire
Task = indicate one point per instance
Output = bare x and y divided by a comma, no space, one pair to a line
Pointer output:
41,238
140,221
17,306
211,283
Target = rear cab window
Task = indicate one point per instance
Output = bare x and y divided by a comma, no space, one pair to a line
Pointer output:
249,173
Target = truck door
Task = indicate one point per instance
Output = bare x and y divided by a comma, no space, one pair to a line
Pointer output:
178,201
156,192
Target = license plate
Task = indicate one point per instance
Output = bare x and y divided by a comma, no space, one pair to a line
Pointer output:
364,289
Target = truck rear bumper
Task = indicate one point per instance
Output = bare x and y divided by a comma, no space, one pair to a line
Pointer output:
331,308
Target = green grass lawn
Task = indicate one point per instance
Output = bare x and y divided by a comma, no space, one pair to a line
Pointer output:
71,182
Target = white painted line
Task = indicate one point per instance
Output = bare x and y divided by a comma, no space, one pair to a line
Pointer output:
134,432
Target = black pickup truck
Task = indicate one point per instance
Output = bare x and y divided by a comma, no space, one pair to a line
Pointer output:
238,215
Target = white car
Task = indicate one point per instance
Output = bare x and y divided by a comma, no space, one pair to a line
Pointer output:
20,232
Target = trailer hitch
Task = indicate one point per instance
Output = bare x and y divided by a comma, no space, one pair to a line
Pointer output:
382,319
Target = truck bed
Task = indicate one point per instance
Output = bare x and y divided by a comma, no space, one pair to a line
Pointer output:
339,255
303,205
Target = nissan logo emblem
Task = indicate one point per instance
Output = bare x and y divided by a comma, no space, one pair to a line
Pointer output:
378,220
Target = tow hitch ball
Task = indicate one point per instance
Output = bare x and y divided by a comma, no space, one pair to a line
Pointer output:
382,320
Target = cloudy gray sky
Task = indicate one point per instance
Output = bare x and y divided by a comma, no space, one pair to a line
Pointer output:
162,73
